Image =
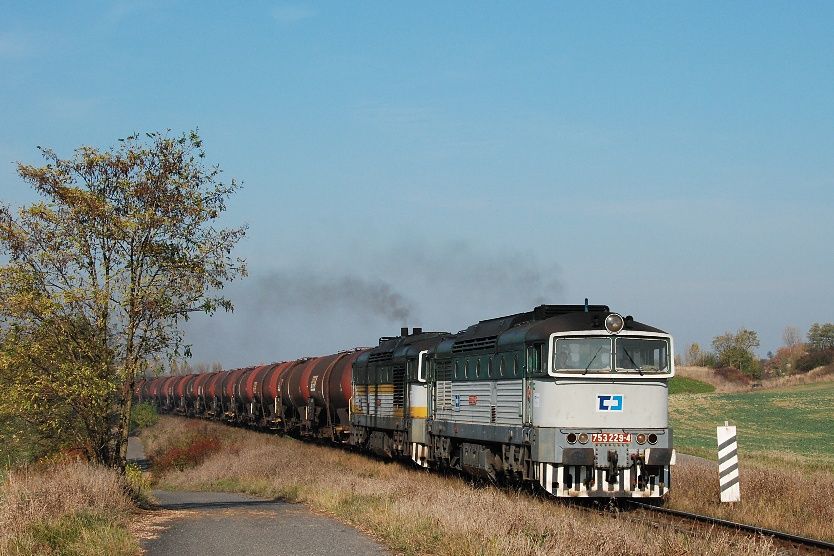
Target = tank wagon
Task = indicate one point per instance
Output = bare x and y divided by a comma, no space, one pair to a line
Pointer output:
573,398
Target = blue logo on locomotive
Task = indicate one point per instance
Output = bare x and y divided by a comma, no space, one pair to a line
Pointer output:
608,402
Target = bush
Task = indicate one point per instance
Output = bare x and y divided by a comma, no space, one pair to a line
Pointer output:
785,360
814,359
733,375
138,483
707,359
193,451
741,359
143,415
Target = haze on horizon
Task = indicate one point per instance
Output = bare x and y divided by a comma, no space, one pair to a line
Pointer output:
437,167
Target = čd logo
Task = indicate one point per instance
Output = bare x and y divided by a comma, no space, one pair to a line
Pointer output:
606,402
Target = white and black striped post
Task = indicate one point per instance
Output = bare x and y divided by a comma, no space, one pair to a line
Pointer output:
728,464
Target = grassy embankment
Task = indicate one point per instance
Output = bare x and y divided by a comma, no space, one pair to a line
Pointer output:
411,511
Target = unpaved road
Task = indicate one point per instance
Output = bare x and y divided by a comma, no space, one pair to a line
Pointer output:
200,523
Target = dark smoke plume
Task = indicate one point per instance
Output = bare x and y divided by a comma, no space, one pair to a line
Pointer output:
320,292
308,309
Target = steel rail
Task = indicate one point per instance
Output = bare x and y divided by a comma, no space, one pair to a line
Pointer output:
780,535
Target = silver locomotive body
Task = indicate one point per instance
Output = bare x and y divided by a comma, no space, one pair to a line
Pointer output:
572,397
602,427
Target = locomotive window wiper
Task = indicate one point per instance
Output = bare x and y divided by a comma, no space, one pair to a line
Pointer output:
637,367
591,362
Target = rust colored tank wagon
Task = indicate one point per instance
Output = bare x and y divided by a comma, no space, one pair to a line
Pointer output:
331,391
296,388
180,393
191,388
339,386
181,384
167,391
250,384
212,393
212,390
154,386
273,381
330,386
145,392
137,388
196,389
245,387
228,392
274,410
230,383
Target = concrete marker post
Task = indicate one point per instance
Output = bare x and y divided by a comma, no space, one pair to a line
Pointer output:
728,476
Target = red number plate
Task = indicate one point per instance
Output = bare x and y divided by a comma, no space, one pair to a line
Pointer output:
607,437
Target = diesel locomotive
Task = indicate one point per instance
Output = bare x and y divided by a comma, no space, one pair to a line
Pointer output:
571,397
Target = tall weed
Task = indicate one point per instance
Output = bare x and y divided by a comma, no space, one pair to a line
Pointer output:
49,508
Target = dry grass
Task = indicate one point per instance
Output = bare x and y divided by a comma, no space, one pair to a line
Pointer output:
708,375
820,374
415,512
65,508
791,501
722,385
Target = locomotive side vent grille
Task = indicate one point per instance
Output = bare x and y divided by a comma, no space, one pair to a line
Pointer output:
378,357
474,344
443,370
399,386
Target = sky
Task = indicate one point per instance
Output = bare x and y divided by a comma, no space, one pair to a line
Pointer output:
438,166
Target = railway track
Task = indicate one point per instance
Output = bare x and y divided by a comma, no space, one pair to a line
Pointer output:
800,544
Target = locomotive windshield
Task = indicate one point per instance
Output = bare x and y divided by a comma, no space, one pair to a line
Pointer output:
582,354
593,354
642,355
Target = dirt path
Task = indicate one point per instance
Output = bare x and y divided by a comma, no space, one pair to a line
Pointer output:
199,523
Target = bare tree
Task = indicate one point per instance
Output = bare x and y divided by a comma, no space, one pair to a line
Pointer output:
791,336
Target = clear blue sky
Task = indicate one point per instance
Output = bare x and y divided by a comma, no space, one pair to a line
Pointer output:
466,160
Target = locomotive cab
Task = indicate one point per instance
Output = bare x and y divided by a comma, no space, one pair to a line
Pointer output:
600,407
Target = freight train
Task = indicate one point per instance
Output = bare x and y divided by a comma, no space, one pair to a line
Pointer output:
571,397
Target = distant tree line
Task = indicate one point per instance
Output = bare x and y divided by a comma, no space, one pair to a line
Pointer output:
735,350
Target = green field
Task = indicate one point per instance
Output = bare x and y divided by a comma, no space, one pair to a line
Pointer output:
685,385
791,424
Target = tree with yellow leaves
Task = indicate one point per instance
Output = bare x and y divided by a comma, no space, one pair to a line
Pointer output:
100,274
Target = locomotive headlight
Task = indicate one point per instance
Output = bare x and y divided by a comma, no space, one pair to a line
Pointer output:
641,438
583,438
614,323
652,438
571,438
